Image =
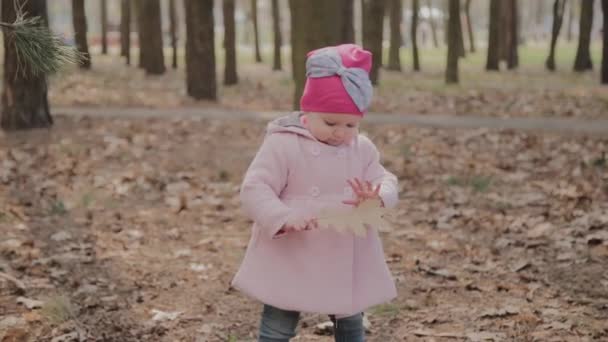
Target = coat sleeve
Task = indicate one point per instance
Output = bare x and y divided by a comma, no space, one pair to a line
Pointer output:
263,183
377,174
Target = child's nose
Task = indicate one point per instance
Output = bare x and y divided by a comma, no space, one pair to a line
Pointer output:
339,133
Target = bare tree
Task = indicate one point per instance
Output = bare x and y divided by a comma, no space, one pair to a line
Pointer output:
558,17
467,10
604,71
394,61
451,72
200,50
79,20
173,32
104,27
230,75
256,34
151,57
125,30
493,60
276,27
373,17
348,23
24,94
414,30
583,61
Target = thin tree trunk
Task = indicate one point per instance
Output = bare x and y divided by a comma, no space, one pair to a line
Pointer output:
348,21
604,77
312,26
583,61
173,32
200,51
151,57
414,34
256,35
125,29
79,20
230,75
104,27
558,16
467,9
373,17
433,24
394,61
512,41
276,27
493,59
461,50
451,73
24,96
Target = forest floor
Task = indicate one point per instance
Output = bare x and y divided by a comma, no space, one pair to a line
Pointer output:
129,228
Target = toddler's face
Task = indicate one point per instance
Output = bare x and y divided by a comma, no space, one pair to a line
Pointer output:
333,129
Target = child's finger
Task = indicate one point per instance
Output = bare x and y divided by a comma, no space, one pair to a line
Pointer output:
377,190
359,184
369,186
351,202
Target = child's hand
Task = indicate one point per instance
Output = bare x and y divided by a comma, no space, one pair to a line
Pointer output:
300,225
363,192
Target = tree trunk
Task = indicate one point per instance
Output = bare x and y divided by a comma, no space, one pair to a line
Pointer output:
373,22
125,29
583,56
394,62
604,77
230,76
24,96
276,27
173,32
200,51
433,25
451,72
558,16
151,57
312,26
256,34
348,21
79,20
493,60
467,9
511,26
104,27
414,33
461,50
571,13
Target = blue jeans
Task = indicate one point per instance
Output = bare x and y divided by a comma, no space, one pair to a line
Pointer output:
280,326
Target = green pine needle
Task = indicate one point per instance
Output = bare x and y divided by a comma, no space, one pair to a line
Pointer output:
39,51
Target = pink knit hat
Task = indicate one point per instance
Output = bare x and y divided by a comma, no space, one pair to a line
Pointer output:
337,80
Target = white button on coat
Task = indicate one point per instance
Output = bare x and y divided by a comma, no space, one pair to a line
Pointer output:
314,191
315,150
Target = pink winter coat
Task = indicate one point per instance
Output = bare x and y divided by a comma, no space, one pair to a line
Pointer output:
319,270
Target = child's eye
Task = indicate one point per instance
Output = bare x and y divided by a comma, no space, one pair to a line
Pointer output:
330,123
350,125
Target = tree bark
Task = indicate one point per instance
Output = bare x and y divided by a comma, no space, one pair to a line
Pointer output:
414,33
604,72
493,59
373,22
79,20
461,49
348,21
276,27
256,34
394,61
230,75
433,25
451,73
511,41
151,57
200,51
104,27
313,25
173,32
558,16
125,29
24,96
467,9
583,61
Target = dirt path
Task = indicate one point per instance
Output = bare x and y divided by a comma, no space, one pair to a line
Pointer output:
559,125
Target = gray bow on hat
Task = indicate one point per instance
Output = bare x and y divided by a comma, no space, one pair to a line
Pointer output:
327,62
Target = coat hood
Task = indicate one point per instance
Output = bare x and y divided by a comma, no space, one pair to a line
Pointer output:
290,123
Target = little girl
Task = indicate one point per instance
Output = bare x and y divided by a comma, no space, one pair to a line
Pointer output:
309,161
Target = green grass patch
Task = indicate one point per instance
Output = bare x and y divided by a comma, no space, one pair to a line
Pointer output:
477,183
58,208
58,309
385,310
